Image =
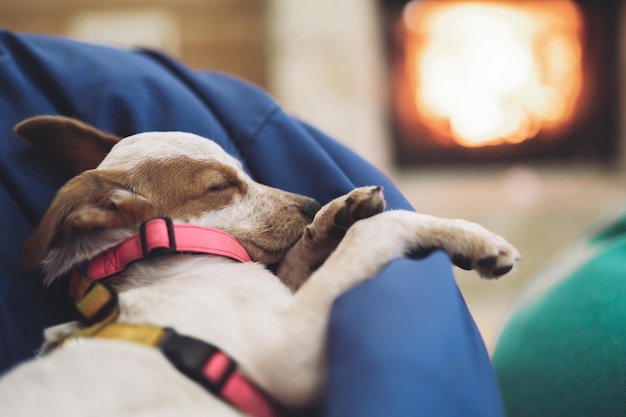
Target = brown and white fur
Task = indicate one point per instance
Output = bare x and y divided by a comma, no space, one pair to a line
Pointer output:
274,327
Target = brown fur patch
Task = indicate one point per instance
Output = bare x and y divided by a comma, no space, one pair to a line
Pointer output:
183,187
94,199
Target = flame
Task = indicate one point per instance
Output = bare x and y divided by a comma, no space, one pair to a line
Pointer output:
486,73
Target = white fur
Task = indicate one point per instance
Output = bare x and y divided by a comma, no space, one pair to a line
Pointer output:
164,145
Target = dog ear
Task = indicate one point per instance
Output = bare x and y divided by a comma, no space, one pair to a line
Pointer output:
91,202
74,144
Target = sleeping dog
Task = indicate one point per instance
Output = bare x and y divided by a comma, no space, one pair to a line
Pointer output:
199,290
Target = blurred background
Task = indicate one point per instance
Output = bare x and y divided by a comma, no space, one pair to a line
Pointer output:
507,113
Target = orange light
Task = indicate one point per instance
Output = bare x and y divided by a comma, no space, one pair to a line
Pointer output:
491,72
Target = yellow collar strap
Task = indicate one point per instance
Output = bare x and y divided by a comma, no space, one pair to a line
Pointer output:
97,307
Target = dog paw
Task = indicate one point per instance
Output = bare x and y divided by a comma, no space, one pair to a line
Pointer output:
487,253
322,236
469,245
359,204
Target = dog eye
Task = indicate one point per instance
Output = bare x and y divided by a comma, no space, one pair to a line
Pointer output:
222,187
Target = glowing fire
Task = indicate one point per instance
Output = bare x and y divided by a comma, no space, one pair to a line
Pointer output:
486,73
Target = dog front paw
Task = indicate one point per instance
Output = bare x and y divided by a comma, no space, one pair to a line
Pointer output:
486,252
469,245
359,204
322,236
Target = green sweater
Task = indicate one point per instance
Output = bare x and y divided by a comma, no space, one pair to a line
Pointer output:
563,351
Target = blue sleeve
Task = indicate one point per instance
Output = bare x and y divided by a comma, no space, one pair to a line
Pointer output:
402,344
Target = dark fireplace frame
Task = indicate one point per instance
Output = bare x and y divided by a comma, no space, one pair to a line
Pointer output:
593,137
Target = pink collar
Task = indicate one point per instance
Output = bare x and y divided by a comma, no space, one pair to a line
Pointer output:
159,237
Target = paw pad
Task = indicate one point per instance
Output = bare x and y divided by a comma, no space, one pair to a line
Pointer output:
462,262
488,262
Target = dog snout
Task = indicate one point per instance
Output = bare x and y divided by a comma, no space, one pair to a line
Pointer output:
310,207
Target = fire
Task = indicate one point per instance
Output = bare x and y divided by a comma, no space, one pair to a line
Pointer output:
492,72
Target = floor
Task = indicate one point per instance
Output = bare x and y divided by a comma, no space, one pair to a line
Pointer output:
540,210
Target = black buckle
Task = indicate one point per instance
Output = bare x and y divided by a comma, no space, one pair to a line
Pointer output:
190,356
158,251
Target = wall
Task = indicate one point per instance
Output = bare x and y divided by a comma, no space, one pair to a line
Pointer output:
226,35
326,66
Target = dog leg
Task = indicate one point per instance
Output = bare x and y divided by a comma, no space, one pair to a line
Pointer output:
323,235
372,243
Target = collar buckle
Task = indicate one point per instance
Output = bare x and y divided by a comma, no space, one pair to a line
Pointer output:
157,237
192,357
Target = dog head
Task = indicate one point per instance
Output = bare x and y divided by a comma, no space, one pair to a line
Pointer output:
120,183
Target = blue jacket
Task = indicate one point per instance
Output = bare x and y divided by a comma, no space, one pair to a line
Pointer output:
402,344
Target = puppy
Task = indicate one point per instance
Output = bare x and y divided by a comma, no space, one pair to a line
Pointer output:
272,325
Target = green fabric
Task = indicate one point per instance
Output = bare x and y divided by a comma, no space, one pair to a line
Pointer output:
564,353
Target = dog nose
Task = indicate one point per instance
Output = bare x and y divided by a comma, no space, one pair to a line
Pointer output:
310,207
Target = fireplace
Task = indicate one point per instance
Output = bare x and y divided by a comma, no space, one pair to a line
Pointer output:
492,82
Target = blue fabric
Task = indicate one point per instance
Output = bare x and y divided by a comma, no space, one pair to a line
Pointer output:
403,344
